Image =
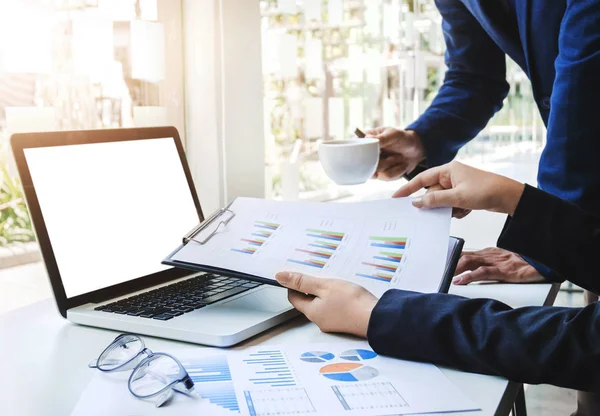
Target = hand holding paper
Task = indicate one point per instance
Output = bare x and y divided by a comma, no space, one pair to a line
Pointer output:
333,304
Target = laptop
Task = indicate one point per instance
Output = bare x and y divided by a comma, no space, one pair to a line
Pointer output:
95,195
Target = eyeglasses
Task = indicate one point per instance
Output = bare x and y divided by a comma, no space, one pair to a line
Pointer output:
156,375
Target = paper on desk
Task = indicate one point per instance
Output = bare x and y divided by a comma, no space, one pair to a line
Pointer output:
107,394
319,379
378,244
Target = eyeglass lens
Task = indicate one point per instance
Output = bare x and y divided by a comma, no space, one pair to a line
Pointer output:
120,352
153,375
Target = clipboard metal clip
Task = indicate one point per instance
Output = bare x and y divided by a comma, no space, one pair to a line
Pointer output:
204,224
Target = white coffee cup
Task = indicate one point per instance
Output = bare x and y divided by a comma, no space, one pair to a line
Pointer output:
351,161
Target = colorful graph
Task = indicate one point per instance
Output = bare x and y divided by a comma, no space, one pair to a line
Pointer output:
311,263
317,253
383,277
324,246
385,255
256,242
244,250
279,402
261,232
349,372
369,396
320,247
392,268
325,235
389,242
266,225
270,368
212,381
358,355
317,356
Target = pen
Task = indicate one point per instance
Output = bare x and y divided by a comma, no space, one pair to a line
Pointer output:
359,133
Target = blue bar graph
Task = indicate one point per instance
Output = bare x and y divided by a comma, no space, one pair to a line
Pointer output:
374,277
270,368
325,237
383,245
387,258
212,381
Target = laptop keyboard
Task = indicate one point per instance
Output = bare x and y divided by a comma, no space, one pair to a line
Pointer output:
173,300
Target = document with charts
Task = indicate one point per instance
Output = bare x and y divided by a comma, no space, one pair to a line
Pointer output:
346,378
379,244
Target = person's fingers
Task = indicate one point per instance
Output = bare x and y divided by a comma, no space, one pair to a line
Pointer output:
375,132
428,178
388,162
436,187
481,274
394,171
445,198
300,282
389,138
469,260
460,213
300,301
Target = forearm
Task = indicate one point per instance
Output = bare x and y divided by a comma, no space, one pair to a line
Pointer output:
463,107
474,87
534,345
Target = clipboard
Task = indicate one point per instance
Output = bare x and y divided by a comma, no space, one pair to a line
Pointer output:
221,218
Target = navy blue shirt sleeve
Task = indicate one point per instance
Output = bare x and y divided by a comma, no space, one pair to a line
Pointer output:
557,234
553,345
533,345
569,164
473,90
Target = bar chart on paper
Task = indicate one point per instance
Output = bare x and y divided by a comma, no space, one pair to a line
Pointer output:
272,389
317,248
383,258
212,380
269,368
258,236
278,402
369,396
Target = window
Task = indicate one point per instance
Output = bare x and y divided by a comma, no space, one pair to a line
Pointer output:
330,66
84,64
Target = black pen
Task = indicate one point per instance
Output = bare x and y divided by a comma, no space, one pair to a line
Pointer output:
359,133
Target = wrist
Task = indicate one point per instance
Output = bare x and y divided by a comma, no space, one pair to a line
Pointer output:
365,316
417,152
511,197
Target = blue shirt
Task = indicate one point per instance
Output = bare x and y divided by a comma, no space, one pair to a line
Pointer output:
512,8
558,47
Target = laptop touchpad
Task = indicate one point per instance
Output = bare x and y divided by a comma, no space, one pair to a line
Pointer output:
269,299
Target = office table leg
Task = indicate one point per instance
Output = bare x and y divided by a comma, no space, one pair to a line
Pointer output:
519,407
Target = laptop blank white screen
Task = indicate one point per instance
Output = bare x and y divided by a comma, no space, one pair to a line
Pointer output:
113,210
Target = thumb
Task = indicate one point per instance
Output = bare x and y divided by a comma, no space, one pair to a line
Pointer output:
436,199
300,282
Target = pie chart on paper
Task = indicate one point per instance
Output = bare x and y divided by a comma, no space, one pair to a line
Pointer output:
349,372
358,355
317,356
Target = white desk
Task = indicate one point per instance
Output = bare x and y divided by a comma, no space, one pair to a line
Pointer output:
44,357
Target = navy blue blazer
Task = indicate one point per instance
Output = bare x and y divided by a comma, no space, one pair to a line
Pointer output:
557,43
553,345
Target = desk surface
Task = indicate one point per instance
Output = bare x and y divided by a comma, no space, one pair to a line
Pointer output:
44,357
